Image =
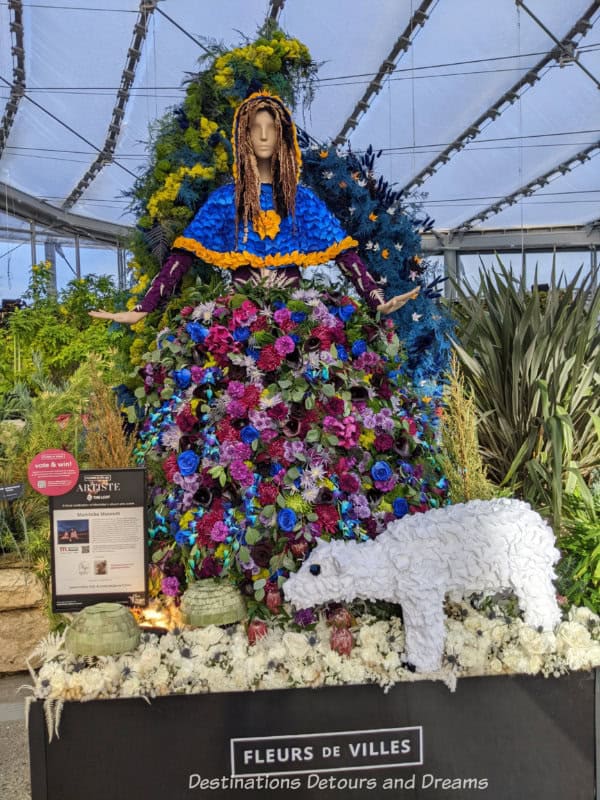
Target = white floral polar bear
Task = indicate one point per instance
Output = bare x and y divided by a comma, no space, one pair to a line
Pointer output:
481,546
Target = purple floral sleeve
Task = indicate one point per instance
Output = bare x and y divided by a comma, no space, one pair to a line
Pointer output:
353,268
164,284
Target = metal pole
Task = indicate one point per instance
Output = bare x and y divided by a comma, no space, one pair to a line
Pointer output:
33,243
50,255
77,259
452,271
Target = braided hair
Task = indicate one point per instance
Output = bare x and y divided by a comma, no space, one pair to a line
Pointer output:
285,162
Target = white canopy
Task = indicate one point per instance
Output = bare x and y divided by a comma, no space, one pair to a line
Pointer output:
491,109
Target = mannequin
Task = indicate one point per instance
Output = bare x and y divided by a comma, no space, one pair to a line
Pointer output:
266,170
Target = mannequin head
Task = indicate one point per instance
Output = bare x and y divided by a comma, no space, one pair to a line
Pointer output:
265,150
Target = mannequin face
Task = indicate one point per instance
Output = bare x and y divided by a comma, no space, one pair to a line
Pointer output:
263,135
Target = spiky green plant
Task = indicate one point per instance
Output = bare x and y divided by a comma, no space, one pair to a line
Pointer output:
532,359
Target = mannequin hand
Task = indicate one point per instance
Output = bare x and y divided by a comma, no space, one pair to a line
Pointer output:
397,302
126,317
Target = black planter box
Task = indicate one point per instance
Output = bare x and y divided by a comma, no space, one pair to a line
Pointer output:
500,738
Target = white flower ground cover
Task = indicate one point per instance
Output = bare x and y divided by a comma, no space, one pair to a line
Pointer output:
213,659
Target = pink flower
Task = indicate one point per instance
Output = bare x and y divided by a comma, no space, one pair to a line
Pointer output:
186,311
285,345
219,532
341,641
170,586
283,317
235,390
197,373
245,313
241,473
236,409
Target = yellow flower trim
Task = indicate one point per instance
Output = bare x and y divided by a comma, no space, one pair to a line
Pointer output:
297,152
173,183
267,224
234,260
372,216
262,575
385,253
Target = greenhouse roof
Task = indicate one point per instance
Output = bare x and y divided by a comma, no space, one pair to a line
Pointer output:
491,110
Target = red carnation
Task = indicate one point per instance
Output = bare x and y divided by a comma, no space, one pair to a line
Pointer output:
280,411
226,432
259,324
186,421
251,396
267,493
349,483
269,359
170,467
276,449
324,335
335,406
328,517
383,442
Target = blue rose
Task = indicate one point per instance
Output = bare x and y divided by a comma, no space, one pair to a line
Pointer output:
298,316
241,334
359,347
342,353
345,312
400,507
248,434
286,519
197,332
188,462
182,377
381,471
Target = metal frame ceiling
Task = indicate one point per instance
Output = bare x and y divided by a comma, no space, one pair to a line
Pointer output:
153,48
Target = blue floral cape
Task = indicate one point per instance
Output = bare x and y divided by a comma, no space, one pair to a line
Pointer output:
313,237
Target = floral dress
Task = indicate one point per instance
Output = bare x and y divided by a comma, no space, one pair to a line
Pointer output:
277,415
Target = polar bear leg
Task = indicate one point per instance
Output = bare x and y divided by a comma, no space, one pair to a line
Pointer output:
537,600
424,630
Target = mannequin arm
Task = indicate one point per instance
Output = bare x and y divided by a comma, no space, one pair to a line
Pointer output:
353,268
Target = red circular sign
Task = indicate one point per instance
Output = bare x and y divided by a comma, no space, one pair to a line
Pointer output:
53,472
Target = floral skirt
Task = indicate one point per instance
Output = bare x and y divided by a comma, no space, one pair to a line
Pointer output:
277,418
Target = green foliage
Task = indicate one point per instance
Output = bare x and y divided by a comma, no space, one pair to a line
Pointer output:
532,360
48,339
579,571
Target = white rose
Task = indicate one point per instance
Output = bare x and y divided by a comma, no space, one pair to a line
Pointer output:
207,637
296,645
572,636
534,643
